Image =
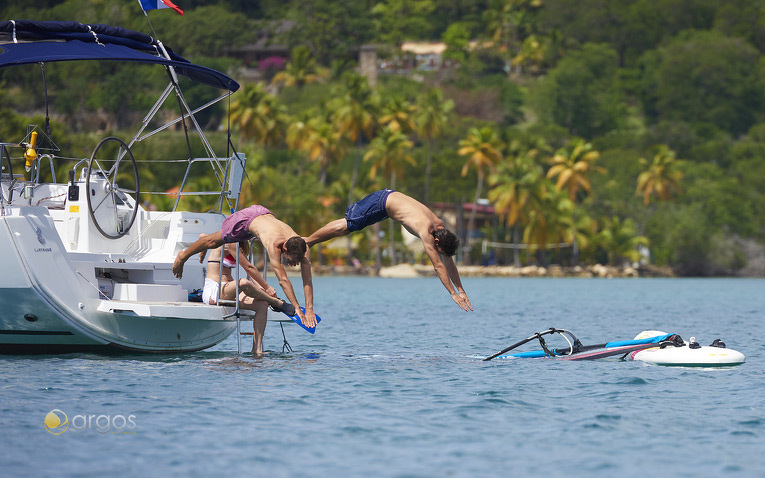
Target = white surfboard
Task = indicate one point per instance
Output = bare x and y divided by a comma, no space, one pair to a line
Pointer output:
691,354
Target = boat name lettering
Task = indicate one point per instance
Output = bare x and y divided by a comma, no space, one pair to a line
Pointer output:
44,249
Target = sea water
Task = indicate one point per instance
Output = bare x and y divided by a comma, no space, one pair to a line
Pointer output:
392,384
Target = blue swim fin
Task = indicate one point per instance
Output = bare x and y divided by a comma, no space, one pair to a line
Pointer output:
297,321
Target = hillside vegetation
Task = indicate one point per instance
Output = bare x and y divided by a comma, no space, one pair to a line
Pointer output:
623,130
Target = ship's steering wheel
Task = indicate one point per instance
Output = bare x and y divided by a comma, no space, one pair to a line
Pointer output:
113,150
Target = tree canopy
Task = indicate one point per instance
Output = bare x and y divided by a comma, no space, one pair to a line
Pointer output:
666,96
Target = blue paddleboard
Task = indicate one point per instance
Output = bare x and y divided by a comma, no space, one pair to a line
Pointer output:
297,321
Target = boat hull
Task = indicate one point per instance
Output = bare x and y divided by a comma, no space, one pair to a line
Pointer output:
28,324
50,300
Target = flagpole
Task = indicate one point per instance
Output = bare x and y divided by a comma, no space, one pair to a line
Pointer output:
156,37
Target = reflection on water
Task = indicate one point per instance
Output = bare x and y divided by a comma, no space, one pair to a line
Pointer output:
243,362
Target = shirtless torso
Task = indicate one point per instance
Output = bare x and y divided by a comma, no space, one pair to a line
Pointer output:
419,220
273,234
416,218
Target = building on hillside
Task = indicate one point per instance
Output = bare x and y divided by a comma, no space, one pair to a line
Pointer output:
456,216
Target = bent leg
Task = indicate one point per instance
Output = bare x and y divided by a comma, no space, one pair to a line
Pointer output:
336,228
252,290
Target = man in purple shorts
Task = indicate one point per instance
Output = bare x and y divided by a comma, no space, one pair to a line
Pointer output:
417,219
257,222
236,227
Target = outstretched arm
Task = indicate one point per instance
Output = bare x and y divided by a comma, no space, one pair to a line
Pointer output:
205,242
305,271
454,276
274,257
459,298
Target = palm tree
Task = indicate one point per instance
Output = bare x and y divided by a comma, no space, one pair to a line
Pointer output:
551,224
532,53
508,22
355,116
324,144
517,187
389,151
431,117
659,176
257,174
583,230
620,240
573,166
483,149
301,70
501,19
258,115
397,114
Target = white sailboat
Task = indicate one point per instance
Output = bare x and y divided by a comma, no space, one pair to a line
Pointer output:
84,266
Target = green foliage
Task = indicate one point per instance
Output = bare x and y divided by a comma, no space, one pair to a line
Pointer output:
217,30
483,62
619,239
301,70
742,19
13,125
331,29
719,196
401,86
628,76
747,161
622,164
457,39
631,27
702,76
398,20
689,237
510,96
580,93
310,97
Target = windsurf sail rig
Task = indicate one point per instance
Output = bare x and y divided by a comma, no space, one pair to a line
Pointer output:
577,351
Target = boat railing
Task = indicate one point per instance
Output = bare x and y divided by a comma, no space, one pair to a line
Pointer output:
37,167
229,187
220,171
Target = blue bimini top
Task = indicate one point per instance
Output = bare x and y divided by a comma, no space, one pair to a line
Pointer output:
27,41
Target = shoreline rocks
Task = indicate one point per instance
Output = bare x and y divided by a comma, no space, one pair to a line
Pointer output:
418,270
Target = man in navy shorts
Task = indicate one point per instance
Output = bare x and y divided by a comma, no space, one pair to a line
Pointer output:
440,244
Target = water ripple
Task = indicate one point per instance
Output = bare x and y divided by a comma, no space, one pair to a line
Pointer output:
403,391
